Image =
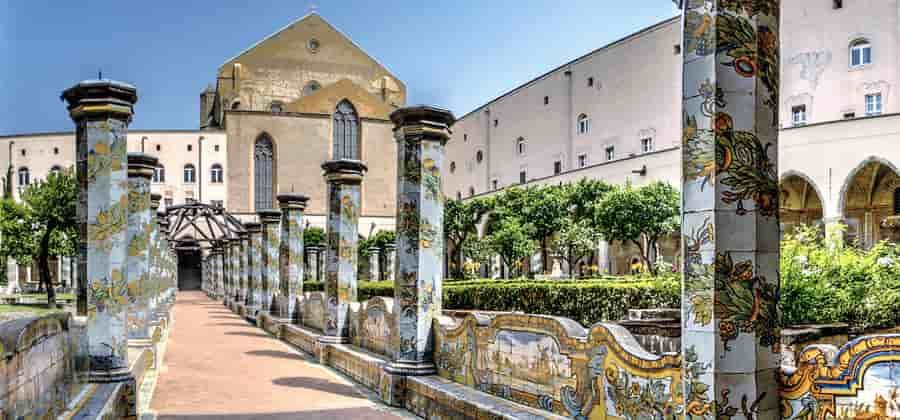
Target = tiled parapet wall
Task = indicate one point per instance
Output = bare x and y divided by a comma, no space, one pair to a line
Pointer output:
857,381
37,373
555,364
371,325
312,310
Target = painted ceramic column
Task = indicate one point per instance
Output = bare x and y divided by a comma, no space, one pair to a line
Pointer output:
255,263
162,222
155,242
390,260
101,110
245,269
342,234
421,133
140,170
235,247
291,252
374,258
731,337
271,236
226,268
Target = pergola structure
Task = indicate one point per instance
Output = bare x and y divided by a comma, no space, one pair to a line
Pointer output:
208,225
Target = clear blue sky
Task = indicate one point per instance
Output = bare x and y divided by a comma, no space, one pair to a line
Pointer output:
457,54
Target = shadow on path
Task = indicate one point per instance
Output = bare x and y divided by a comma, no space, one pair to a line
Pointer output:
276,353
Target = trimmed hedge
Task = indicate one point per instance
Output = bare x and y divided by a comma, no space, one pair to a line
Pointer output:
587,301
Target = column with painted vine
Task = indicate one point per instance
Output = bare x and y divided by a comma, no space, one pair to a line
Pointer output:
162,223
226,269
140,229
271,236
343,179
731,337
102,110
153,286
255,263
291,252
421,133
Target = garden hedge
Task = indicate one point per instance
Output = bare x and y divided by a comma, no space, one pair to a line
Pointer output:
587,302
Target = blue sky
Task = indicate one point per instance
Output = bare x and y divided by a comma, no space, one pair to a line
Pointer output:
456,54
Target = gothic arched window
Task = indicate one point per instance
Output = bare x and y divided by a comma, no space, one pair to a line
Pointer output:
346,132
263,170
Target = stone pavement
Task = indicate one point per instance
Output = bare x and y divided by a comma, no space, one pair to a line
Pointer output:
217,366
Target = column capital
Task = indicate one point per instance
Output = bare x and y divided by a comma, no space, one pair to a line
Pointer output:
267,216
390,246
154,202
100,98
141,165
253,227
344,171
422,122
373,249
292,201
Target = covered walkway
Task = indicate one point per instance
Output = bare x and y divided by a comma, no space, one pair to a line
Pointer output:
217,366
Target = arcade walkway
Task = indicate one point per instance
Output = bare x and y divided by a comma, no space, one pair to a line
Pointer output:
217,366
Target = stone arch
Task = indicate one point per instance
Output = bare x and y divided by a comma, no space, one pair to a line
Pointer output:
801,201
265,164
866,198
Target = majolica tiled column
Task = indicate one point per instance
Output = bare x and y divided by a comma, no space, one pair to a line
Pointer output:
731,338
101,110
226,269
235,256
140,228
390,260
271,236
374,258
342,235
421,133
254,229
291,252
154,255
162,281
245,269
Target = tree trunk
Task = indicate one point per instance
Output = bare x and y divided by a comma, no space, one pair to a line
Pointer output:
544,256
44,267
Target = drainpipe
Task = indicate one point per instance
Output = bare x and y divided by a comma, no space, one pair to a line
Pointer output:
9,173
200,169
142,143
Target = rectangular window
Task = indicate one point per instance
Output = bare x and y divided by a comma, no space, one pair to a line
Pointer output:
546,100
557,167
582,160
860,54
838,4
610,153
849,115
495,184
873,104
798,114
496,123
647,145
590,82
168,202
217,203
522,177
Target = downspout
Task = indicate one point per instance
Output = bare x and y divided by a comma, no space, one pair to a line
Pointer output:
200,169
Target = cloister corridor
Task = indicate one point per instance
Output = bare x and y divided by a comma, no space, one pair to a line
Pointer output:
218,366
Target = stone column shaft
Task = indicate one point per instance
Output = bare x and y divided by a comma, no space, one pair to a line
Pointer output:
101,110
255,263
390,261
342,235
374,266
730,233
271,236
291,252
140,229
421,133
245,269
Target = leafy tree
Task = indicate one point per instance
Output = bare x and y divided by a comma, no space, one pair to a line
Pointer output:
477,250
575,241
461,219
313,236
44,224
583,197
382,238
546,210
511,239
639,215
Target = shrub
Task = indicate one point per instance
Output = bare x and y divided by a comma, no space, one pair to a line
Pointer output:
587,302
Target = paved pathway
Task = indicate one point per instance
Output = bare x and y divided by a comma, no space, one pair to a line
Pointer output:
217,366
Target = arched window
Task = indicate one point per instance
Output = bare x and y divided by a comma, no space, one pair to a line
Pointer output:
897,201
860,53
479,156
584,124
520,146
24,176
471,191
452,167
55,169
216,174
190,174
346,132
159,173
263,170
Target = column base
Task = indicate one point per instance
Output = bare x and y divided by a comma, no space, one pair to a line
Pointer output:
332,339
411,368
110,376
